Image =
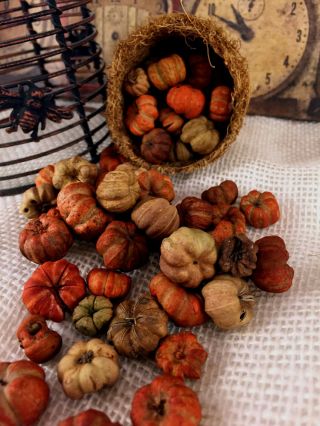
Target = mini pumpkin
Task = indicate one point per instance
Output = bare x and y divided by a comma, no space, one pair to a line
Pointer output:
188,256
166,401
170,121
75,169
122,246
261,209
186,309
53,288
201,71
225,193
141,115
186,100
45,238
89,417
45,176
156,217
232,224
88,367
78,207
181,152
272,273
155,184
201,135
167,72
137,327
110,284
220,103
37,200
110,158
195,213
228,302
24,394
136,82
119,190
92,314
39,342
156,146
181,355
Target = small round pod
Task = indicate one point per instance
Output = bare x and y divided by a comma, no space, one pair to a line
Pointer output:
228,302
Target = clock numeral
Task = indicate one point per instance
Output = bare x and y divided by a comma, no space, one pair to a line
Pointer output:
211,9
286,62
293,8
299,36
268,78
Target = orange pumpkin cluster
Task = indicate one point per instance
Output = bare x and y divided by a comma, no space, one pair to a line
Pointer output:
168,94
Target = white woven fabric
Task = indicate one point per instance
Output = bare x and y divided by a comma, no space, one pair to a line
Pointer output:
266,374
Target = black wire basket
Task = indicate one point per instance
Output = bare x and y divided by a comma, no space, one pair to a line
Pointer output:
52,88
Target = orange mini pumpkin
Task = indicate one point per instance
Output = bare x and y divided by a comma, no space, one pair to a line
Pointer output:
171,121
110,284
141,115
201,71
155,184
88,418
186,100
233,223
156,146
220,104
167,72
261,209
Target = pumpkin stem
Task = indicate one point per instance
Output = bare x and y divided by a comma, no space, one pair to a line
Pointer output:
132,321
179,355
86,358
3,383
33,328
159,408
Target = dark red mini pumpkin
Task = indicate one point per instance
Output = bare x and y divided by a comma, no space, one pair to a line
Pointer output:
225,193
110,158
156,146
261,209
195,213
272,273
201,71
52,289
88,418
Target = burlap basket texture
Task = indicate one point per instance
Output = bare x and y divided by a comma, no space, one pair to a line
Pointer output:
136,48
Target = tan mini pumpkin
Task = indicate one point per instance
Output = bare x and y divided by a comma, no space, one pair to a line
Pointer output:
141,115
136,82
180,152
228,302
201,135
170,121
188,256
167,72
137,327
75,169
186,100
119,190
88,367
156,217
37,200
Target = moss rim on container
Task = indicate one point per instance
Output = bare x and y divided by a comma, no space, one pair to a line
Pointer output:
132,51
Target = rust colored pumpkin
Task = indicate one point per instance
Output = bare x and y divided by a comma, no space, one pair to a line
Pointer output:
186,309
24,394
136,82
122,246
45,175
220,103
261,209
78,208
186,100
233,223
170,121
201,71
52,289
167,72
39,342
110,158
181,355
156,146
141,115
102,282
89,417
166,401
195,213
225,193
272,273
155,184
45,238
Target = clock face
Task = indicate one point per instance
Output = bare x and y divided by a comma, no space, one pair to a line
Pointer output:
274,37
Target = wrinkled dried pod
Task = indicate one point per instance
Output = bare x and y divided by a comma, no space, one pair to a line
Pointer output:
225,193
137,327
92,314
136,82
220,103
141,115
113,285
37,200
156,217
228,302
238,256
201,135
155,184
75,169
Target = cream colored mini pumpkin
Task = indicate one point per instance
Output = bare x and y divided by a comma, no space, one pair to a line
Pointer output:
201,135
119,190
75,169
88,367
136,82
156,217
37,200
228,302
188,256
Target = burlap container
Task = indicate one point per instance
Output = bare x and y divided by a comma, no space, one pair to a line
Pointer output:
136,49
